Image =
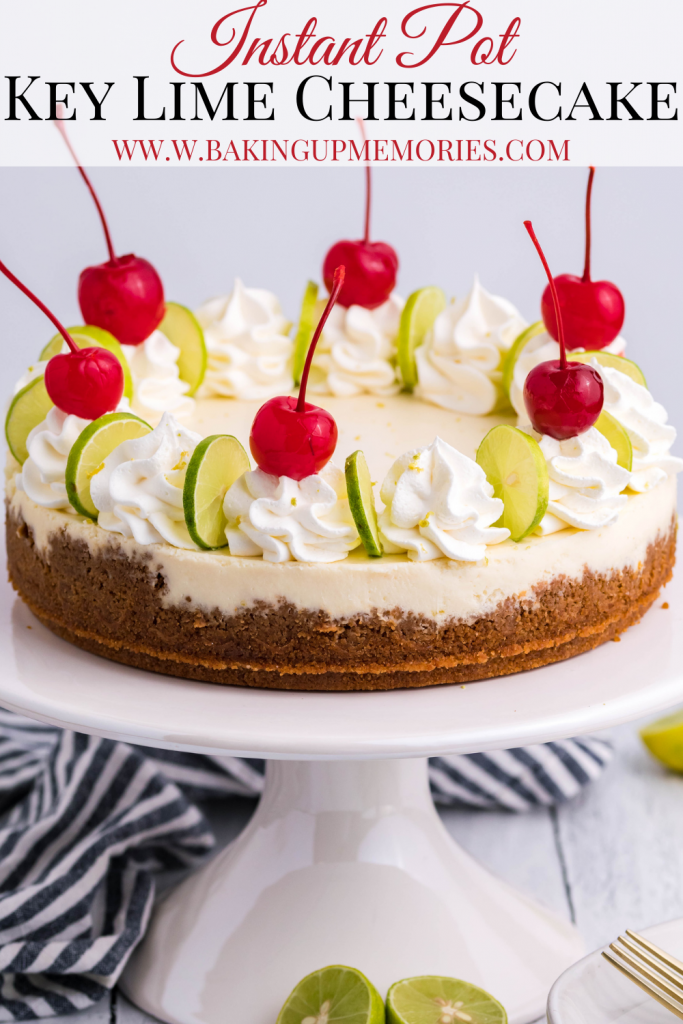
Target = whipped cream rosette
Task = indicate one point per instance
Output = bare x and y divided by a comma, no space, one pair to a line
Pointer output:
439,503
157,387
283,519
42,476
541,349
645,422
459,363
249,349
585,482
138,491
356,353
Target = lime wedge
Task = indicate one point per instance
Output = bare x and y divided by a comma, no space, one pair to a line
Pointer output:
89,337
434,1000
417,318
664,740
28,408
511,357
331,995
617,437
216,463
182,329
308,321
516,468
362,503
91,448
620,363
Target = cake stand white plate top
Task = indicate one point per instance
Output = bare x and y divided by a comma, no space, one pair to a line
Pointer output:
345,859
46,678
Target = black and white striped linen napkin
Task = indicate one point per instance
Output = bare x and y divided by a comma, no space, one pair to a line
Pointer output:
89,822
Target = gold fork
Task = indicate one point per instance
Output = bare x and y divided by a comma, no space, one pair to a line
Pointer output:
650,968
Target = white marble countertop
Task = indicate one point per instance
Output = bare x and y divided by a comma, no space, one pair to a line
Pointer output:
611,859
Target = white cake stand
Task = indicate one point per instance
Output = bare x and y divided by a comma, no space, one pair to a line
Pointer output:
345,860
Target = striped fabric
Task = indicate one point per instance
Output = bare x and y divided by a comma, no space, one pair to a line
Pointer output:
89,822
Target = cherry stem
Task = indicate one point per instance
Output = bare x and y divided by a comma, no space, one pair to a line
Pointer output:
41,305
337,283
587,260
368,185
553,290
62,131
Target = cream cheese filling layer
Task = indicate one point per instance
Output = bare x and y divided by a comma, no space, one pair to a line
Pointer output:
440,590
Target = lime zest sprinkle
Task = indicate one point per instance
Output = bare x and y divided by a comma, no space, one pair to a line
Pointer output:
96,471
293,501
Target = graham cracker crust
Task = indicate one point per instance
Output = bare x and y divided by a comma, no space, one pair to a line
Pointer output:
112,606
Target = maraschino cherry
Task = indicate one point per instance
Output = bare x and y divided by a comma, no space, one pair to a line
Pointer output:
289,436
125,295
563,399
593,311
85,382
371,267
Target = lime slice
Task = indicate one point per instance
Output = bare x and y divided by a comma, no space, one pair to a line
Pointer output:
617,437
417,318
434,1000
520,343
362,503
28,408
87,337
516,468
308,321
620,363
664,740
333,994
216,463
182,329
91,448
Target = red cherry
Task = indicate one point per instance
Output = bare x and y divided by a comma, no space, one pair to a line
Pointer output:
371,267
125,295
289,436
563,399
85,382
593,311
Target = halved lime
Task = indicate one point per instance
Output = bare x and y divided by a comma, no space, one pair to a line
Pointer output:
362,503
664,740
182,329
435,1000
88,336
516,468
620,363
417,318
612,429
93,445
216,463
308,321
511,357
331,995
28,408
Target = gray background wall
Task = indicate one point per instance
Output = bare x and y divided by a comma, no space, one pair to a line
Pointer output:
272,227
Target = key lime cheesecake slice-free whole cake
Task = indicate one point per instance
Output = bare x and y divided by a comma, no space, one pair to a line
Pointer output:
384,538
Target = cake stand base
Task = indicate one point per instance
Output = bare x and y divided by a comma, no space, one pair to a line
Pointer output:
343,862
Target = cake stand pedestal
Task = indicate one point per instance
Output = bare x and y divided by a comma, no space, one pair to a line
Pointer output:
345,859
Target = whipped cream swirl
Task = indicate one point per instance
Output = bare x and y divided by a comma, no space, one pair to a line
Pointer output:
540,349
645,422
282,519
356,353
138,491
49,444
585,482
459,364
439,502
157,387
249,349
36,370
